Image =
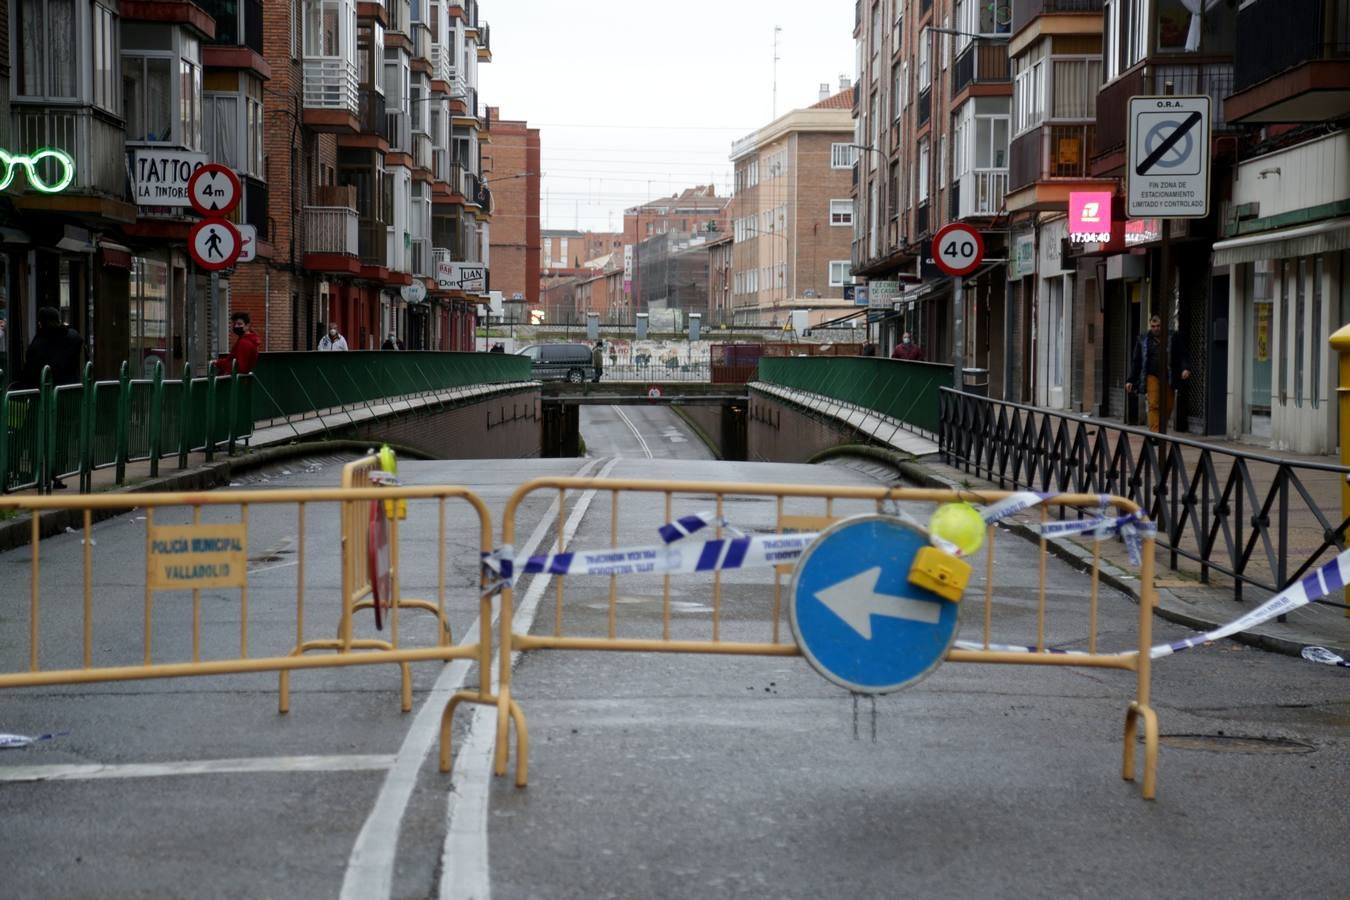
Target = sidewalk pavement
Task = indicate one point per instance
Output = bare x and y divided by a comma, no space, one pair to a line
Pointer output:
1182,597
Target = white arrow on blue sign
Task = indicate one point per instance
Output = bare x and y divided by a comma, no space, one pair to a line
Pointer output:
856,617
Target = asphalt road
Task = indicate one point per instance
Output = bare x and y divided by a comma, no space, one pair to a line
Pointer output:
652,775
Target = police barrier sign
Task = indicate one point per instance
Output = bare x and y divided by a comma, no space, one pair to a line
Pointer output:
190,557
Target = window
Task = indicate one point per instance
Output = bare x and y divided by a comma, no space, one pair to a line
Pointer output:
842,156
106,64
46,37
991,142
841,212
922,186
1075,83
895,91
924,73
220,122
147,90
1029,90
942,162
190,103
840,274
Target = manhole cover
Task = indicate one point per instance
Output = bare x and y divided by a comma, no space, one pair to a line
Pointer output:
1223,743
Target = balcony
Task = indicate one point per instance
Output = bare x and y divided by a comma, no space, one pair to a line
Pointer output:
981,62
484,43
979,192
1049,162
332,242
1024,12
332,96
422,151
1292,62
96,143
372,120
1214,79
442,62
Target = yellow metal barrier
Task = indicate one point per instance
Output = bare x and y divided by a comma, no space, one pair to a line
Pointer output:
988,651
357,591
186,553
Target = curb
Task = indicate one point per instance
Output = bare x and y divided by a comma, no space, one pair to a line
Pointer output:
207,476
1111,575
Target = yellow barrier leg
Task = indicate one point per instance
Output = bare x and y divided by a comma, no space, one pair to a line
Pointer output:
503,745
407,686
522,745
284,692
1132,717
447,720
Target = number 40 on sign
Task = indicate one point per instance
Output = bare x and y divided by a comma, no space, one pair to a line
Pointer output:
958,249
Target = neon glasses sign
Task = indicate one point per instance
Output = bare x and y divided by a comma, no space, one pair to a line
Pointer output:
10,164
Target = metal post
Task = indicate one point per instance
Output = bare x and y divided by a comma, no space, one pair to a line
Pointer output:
1165,311
958,332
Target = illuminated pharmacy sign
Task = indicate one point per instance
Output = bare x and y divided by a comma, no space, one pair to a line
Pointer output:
61,162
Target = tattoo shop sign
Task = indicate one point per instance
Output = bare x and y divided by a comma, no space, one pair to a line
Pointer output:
160,177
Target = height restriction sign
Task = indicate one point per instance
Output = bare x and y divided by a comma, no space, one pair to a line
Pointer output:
1168,167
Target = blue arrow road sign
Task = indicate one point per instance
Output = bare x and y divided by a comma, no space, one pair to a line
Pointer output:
854,613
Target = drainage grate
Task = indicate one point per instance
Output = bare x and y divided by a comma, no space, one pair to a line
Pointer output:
1224,743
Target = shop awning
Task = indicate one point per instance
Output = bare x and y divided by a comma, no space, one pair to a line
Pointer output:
1286,243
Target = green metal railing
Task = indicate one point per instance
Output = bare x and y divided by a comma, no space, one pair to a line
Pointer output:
903,390
56,432
301,383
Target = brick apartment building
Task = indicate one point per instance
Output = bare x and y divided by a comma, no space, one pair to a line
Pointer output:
563,248
355,130
792,215
511,167
666,240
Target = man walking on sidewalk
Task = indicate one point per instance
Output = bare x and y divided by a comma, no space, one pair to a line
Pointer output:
1147,361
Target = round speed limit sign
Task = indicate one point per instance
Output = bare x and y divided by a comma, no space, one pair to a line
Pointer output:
958,249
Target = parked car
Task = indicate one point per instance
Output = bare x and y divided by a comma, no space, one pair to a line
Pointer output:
560,362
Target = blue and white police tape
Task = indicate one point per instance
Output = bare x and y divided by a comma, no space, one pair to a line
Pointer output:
1330,577
1012,504
755,551
1130,528
687,525
1325,657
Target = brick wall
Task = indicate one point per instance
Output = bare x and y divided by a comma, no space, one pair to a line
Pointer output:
511,167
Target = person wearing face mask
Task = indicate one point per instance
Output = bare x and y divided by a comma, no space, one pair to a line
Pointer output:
244,353
333,340
907,349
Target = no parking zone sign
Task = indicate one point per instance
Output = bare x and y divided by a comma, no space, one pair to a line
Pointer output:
1168,169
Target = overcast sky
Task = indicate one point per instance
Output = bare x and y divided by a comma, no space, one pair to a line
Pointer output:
637,99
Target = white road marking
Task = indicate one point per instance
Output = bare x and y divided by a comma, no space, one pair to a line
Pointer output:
370,867
637,434
464,859
93,772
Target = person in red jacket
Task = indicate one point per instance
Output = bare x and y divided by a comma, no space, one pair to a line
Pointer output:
907,349
246,347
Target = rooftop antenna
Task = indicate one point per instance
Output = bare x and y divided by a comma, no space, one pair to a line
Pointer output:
777,30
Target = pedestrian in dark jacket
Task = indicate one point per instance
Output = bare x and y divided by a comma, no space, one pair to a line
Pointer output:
598,359
59,346
1146,362
56,344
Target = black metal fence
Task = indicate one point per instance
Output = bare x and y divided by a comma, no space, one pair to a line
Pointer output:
1257,519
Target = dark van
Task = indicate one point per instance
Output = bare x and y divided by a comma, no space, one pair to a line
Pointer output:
560,362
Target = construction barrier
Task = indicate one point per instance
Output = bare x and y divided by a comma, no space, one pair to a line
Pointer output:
195,542
764,550
357,586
